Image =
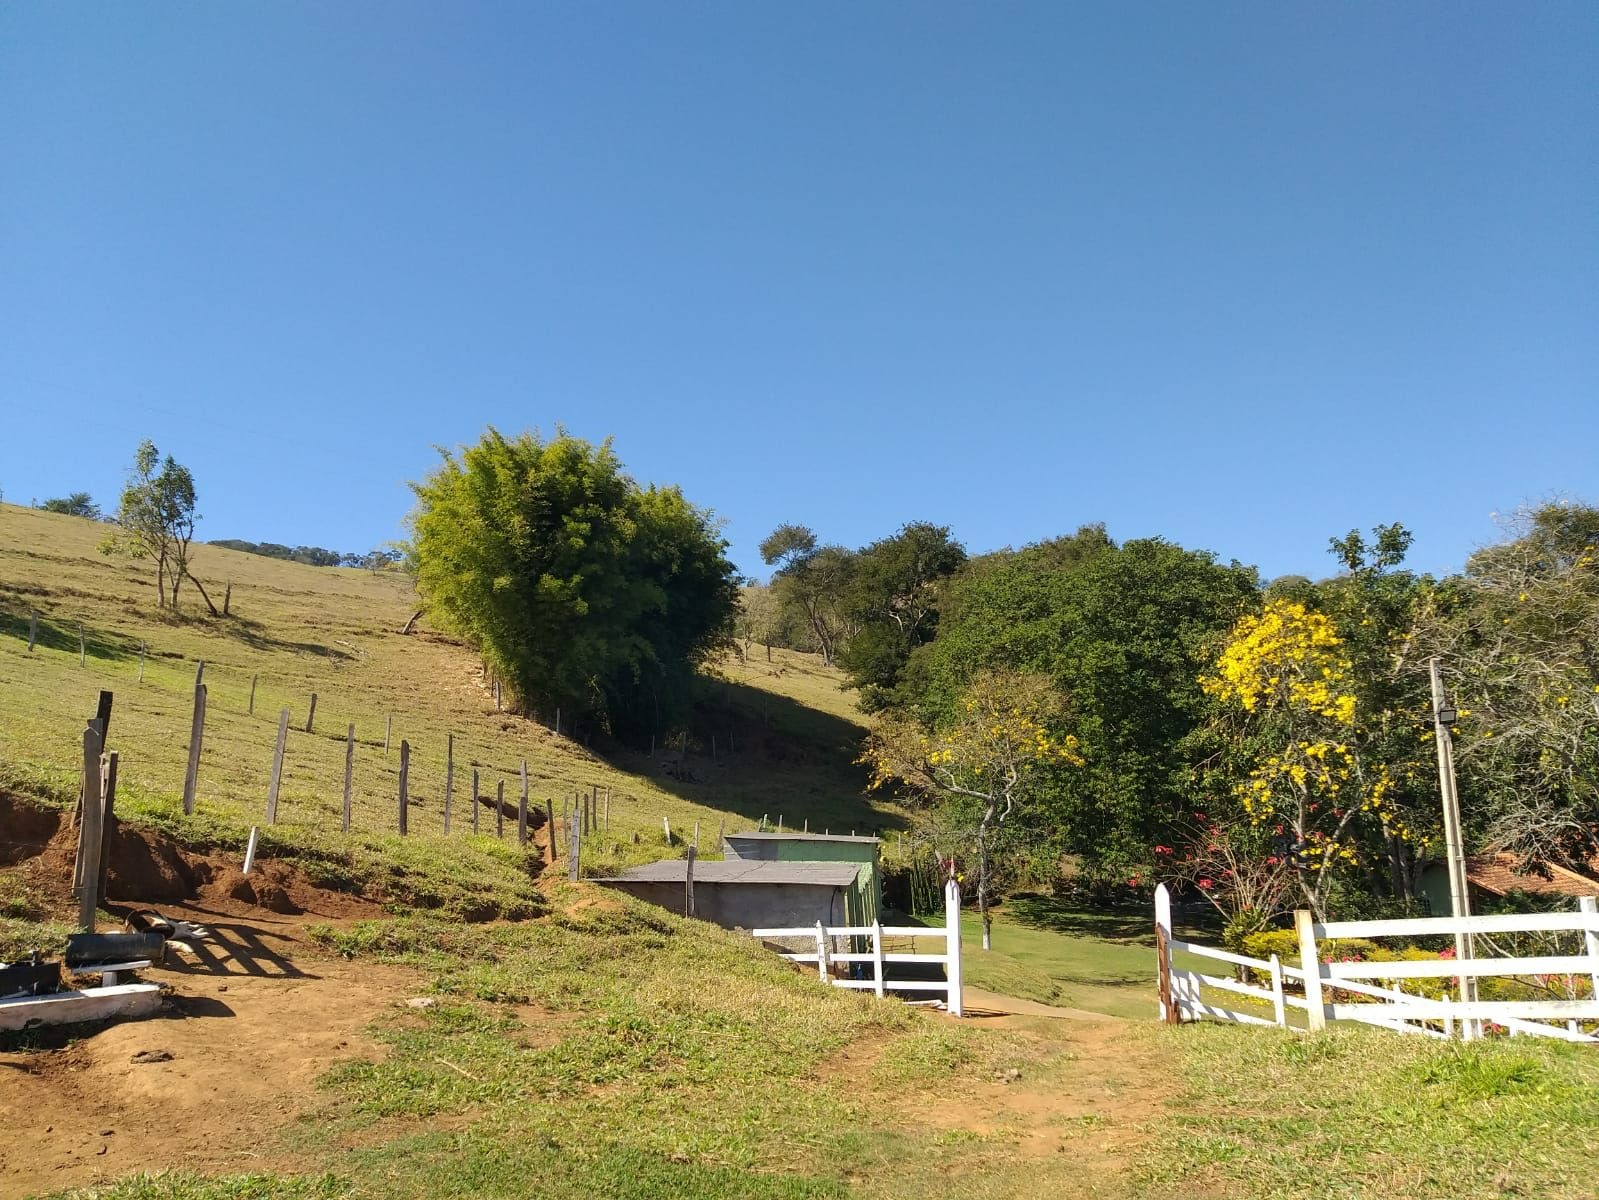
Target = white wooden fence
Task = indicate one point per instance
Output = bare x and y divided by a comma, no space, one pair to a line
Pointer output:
875,935
1182,995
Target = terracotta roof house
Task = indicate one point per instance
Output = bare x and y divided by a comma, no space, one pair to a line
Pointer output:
1496,875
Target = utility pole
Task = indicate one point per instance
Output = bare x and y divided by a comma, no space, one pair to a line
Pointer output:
1443,716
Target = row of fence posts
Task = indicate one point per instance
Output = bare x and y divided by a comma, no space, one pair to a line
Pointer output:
584,812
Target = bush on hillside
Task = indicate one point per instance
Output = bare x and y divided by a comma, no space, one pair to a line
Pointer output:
581,589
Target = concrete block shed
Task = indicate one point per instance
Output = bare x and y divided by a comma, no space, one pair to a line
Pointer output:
867,901
750,894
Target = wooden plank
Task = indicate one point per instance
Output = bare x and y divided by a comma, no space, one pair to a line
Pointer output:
277,768
1241,960
1438,926
87,1004
1589,906
1489,1010
1448,968
1278,999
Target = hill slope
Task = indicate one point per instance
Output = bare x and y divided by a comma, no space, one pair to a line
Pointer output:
769,739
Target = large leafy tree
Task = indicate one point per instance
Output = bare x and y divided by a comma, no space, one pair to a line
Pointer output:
892,602
1122,631
1518,635
581,589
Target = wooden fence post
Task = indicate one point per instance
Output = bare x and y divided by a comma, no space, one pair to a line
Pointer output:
606,827
449,778
405,786
521,810
141,663
108,816
952,947
877,957
1310,964
91,829
475,804
33,630
254,679
191,776
821,951
696,842
227,599
102,713
574,851
82,656
249,850
1163,983
310,716
688,885
1278,1004
549,826
277,767
499,809
388,732
349,772
666,828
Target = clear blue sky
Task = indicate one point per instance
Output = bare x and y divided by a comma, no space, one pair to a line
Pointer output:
1245,275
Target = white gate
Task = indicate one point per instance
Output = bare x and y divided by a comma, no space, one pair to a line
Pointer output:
1181,996
876,935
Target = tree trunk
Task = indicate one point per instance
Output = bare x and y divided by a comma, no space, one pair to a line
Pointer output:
205,597
161,583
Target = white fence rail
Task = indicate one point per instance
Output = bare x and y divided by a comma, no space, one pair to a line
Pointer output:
1182,990
876,936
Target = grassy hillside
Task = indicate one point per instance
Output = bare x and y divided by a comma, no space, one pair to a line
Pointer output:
295,630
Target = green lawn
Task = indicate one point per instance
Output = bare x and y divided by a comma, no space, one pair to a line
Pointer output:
1057,952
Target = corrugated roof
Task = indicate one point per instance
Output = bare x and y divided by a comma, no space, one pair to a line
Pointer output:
801,837
741,870
1496,873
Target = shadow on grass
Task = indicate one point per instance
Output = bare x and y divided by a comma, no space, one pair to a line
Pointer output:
56,634
788,761
1128,924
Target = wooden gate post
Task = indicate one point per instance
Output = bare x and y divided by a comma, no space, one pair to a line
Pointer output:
952,947
405,787
92,829
191,777
821,952
277,767
1310,964
877,956
1169,1012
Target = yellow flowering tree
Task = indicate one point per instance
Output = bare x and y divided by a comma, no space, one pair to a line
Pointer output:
1005,734
1287,698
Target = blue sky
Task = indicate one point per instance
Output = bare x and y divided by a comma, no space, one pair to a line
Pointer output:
1244,275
